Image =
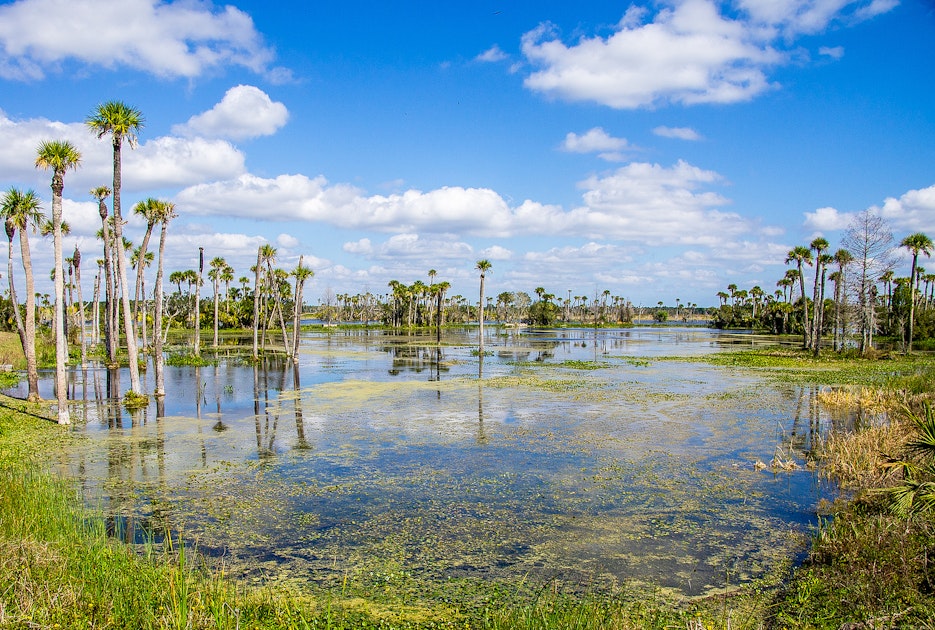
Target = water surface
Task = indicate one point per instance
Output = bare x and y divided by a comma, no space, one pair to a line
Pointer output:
590,457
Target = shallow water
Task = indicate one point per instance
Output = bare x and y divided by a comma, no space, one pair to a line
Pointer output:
576,455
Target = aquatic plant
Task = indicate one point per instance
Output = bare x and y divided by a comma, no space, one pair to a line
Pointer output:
134,400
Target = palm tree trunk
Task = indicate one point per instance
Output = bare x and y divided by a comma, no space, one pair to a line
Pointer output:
256,307
29,348
129,328
61,352
157,317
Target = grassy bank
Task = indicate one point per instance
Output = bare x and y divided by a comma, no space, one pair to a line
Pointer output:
59,567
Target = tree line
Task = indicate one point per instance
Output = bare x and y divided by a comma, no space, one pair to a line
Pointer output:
865,298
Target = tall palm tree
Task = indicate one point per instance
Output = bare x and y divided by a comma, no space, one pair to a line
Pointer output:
483,266
215,272
801,255
59,156
149,209
843,258
23,211
301,274
818,245
76,263
916,243
110,327
121,121
166,214
258,270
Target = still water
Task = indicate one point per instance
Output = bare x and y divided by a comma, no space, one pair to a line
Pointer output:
595,458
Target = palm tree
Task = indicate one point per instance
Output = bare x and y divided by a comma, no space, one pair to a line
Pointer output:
121,121
23,211
217,265
483,266
59,156
258,270
801,254
916,243
76,263
150,210
818,245
110,326
843,258
301,274
198,283
166,214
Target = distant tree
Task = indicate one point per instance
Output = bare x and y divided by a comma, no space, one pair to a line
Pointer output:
483,266
802,255
916,243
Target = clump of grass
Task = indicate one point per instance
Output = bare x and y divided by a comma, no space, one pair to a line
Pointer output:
868,399
135,400
187,359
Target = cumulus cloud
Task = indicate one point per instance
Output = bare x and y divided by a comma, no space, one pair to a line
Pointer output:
914,211
492,55
156,163
654,204
796,17
688,53
244,112
595,140
178,39
637,202
679,133
827,219
496,252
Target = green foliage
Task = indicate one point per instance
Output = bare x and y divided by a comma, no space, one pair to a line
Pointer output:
543,313
183,359
660,316
135,400
915,493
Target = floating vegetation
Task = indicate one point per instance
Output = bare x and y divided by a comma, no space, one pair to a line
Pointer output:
135,400
182,359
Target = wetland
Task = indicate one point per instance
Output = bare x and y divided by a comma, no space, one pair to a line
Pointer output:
593,458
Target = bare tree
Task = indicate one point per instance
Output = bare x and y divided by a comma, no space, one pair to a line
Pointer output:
870,241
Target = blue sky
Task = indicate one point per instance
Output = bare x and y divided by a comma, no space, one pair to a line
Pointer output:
656,150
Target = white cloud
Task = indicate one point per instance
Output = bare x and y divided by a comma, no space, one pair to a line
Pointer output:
496,252
492,55
827,219
835,52
655,205
178,39
914,211
679,133
411,246
169,161
637,202
288,241
244,112
594,140
795,17
156,163
688,54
